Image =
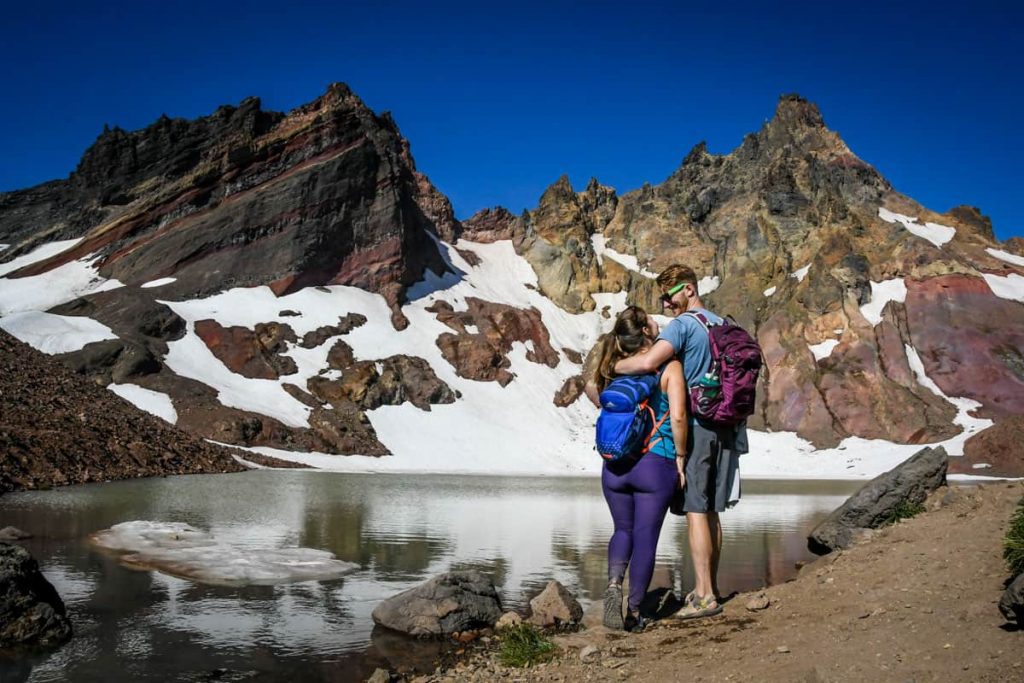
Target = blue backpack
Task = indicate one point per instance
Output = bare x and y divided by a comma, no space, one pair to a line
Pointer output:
627,423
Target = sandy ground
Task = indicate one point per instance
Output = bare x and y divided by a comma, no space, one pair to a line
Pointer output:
916,601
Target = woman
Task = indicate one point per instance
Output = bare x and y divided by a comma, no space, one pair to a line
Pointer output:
639,492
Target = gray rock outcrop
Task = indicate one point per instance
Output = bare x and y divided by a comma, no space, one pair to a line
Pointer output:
1012,602
450,602
877,501
31,612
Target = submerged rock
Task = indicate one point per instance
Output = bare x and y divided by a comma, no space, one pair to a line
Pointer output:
31,612
877,501
450,602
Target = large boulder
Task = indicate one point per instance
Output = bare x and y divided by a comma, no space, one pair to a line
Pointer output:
455,601
31,612
555,606
1012,602
877,501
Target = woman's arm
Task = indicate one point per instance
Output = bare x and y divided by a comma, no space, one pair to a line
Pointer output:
590,389
674,384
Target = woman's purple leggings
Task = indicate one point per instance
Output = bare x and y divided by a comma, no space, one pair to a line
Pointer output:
638,499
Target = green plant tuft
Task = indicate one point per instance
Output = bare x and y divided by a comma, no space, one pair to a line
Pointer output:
1013,544
525,645
904,510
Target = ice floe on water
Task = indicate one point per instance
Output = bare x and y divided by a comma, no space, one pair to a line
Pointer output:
1008,287
1006,256
153,402
881,294
55,333
181,550
933,232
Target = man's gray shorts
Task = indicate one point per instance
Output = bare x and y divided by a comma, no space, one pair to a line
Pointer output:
712,468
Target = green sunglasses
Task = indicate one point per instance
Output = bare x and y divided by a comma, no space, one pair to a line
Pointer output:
666,298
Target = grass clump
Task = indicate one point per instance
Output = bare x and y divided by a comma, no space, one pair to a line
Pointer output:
525,645
1013,544
904,510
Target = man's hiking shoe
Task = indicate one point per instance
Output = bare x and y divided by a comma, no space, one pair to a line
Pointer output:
697,608
613,607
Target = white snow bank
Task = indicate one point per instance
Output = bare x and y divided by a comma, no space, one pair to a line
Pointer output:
4,247
933,232
153,402
1008,287
824,349
181,550
40,253
158,283
881,294
1006,256
52,288
801,273
770,290
53,334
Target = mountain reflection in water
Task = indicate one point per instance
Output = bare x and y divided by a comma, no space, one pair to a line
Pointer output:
399,529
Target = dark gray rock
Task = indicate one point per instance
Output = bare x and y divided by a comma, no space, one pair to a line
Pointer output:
455,601
1012,602
10,533
31,612
874,504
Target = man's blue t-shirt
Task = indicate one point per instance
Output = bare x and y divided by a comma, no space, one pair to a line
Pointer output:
690,342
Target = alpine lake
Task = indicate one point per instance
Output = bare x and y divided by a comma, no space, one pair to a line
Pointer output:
398,531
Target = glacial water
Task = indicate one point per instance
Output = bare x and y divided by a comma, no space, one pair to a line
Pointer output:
399,529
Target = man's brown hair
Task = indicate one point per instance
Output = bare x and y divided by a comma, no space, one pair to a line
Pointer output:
676,273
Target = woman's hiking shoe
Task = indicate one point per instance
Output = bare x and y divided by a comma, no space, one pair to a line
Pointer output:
613,607
635,623
697,608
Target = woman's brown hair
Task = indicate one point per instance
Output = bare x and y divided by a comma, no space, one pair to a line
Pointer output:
626,338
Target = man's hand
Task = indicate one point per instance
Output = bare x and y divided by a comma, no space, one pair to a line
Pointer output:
681,469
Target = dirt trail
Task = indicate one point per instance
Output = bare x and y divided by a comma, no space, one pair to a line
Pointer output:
914,602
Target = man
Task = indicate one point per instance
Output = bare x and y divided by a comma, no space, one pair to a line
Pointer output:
708,470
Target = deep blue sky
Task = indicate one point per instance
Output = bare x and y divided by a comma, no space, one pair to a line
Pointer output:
499,100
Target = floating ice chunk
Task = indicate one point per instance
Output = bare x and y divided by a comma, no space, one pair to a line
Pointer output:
1006,256
159,283
824,349
801,273
933,232
708,284
770,290
153,402
53,334
881,294
1009,287
181,550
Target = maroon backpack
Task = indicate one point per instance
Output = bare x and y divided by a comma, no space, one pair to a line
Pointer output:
726,393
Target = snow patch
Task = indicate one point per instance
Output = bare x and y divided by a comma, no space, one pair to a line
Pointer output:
1008,287
708,284
4,247
52,288
602,250
54,334
933,232
153,402
1006,256
881,294
770,290
801,273
159,283
824,349
40,253
181,550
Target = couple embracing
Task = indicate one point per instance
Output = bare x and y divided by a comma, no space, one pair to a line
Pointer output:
684,458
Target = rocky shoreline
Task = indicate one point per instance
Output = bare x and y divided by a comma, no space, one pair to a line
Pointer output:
916,600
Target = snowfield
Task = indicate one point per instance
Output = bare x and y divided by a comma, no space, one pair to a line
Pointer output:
933,232
490,430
